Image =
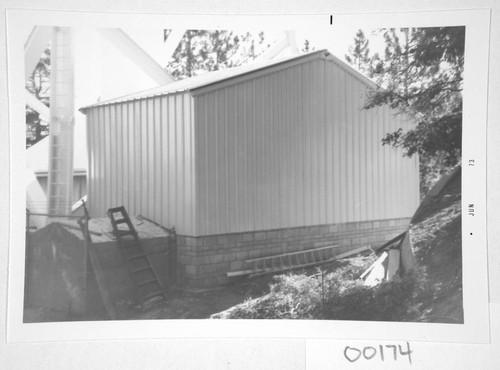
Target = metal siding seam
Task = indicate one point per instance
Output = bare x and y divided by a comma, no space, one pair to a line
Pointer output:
362,158
277,111
300,193
325,137
150,159
126,153
309,116
215,189
260,156
293,198
193,161
187,164
313,123
276,145
391,154
157,158
369,163
207,169
254,158
98,157
113,157
230,227
289,127
236,160
245,208
383,168
180,161
119,151
229,161
89,121
350,151
146,205
181,190
186,157
336,163
266,205
224,176
107,168
175,141
249,154
132,148
380,163
170,158
320,141
329,147
102,172
164,162
138,159
356,151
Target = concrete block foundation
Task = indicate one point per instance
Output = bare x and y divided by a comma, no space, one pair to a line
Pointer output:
203,261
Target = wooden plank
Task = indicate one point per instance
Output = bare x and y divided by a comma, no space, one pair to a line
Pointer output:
392,241
101,283
393,263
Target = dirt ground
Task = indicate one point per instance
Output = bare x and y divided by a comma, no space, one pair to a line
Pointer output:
186,305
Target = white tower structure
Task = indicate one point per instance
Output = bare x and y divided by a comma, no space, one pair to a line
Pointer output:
60,182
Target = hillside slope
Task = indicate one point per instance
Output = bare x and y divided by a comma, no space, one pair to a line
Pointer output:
436,239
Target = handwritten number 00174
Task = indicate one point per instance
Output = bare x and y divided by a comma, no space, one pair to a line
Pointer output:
353,354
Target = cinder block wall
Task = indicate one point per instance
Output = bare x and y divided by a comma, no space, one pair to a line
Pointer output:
205,260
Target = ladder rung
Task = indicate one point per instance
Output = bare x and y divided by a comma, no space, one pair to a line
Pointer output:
130,245
153,294
124,232
146,282
120,221
136,256
140,269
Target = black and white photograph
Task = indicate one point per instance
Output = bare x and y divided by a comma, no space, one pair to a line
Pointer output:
262,177
314,177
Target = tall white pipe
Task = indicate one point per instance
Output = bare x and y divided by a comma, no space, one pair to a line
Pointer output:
60,181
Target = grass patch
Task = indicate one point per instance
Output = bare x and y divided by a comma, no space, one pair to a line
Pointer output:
335,295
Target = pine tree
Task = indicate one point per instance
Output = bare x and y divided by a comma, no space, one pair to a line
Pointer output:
422,76
359,53
307,47
39,85
424,80
201,51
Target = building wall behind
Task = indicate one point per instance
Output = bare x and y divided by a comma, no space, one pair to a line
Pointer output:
295,148
79,186
141,156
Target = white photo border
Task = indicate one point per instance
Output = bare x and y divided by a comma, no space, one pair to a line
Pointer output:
474,247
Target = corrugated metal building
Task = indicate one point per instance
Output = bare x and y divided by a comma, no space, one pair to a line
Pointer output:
252,161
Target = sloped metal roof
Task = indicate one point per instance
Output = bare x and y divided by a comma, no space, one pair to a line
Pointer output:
217,77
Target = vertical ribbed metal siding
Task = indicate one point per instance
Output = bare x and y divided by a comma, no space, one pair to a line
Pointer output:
141,156
296,148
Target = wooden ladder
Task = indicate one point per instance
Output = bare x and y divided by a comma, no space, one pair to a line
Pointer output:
147,283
